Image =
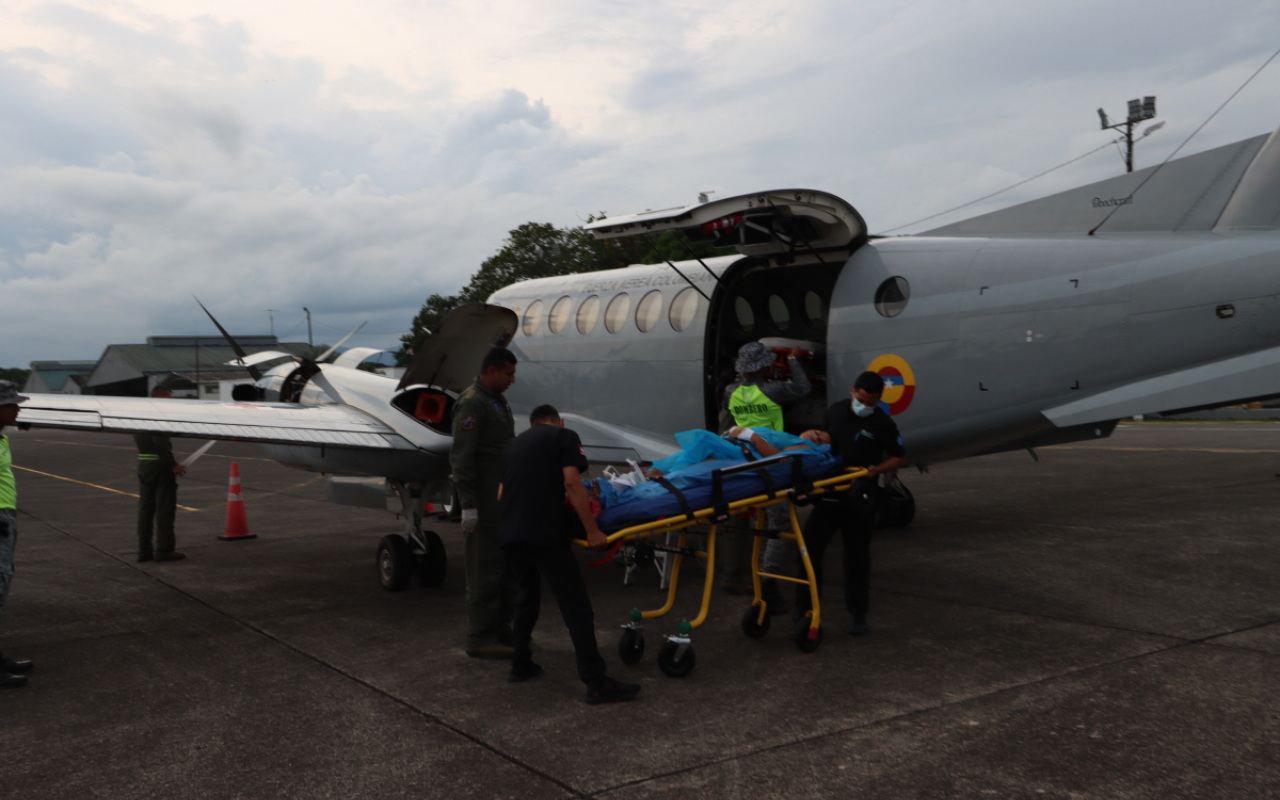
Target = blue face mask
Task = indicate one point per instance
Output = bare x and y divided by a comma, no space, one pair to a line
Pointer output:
861,410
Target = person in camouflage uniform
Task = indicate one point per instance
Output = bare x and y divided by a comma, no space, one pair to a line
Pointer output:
482,426
158,473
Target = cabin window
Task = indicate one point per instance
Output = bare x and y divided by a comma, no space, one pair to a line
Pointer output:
559,315
779,313
533,318
746,317
648,311
588,313
813,309
615,316
684,309
892,297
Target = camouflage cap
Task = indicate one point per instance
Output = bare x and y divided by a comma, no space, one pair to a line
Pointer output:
9,394
753,357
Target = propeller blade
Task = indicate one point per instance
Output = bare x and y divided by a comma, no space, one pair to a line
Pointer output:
239,351
340,343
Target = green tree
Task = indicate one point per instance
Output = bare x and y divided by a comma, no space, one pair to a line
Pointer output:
15,374
540,250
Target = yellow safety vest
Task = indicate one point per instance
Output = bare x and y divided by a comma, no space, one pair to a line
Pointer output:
752,408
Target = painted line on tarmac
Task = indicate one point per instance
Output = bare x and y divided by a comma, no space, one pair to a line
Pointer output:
132,449
94,485
1159,449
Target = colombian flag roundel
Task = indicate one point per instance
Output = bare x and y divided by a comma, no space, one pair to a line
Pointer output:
899,383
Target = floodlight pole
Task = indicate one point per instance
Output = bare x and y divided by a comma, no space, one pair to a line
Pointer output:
310,341
1139,110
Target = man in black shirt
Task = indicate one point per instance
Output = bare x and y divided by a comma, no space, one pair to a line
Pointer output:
865,436
540,468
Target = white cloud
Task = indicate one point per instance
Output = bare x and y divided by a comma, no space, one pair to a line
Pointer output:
356,159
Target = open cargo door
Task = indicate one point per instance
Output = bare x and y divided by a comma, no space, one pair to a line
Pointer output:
779,225
450,357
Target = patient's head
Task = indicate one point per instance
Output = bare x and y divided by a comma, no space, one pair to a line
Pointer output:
817,437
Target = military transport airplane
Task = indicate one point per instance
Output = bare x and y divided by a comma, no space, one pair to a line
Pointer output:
1020,328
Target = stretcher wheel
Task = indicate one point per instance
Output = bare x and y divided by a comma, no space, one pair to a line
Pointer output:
395,563
668,664
751,625
631,648
434,564
807,645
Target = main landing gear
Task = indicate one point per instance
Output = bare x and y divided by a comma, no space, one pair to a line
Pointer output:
418,554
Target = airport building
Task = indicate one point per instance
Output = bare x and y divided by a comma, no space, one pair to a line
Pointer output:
192,366
57,377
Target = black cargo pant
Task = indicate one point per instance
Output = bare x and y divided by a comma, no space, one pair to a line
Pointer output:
854,515
560,569
157,505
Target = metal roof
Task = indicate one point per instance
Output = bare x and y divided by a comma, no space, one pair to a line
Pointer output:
174,359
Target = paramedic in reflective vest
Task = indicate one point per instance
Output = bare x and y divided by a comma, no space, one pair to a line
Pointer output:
865,436
158,473
541,473
756,402
482,426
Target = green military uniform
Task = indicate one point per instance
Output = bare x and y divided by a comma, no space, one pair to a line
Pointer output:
157,493
482,426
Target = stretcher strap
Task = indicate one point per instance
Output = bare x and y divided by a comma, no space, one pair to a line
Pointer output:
684,502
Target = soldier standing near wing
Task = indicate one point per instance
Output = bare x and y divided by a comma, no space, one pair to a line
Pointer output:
482,426
754,401
13,674
158,473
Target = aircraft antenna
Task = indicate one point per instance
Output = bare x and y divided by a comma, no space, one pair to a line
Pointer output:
1189,138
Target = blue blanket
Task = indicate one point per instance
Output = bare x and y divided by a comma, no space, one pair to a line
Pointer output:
694,482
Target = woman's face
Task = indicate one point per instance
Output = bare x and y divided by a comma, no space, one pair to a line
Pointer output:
817,437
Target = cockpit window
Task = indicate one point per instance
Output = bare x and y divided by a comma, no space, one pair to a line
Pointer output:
746,317
533,318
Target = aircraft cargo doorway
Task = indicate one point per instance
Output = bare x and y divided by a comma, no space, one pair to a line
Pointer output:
781,307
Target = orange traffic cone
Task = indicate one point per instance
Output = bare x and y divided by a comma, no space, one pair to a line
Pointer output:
237,522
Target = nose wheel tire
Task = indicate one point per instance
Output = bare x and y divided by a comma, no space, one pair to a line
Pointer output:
395,563
751,624
631,648
670,666
432,567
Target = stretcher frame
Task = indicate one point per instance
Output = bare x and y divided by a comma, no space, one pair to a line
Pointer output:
755,623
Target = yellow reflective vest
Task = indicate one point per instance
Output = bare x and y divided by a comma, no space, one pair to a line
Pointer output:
752,408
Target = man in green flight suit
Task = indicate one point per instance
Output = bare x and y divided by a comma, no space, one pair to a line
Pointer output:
158,473
482,426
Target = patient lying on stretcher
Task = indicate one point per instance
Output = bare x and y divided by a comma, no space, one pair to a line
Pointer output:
702,452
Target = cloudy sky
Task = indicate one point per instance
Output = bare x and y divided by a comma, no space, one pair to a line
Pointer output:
355,157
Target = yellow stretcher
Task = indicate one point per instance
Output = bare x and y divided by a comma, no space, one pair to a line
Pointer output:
676,658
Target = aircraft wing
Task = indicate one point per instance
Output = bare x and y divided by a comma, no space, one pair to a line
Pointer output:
606,442
276,423
1234,380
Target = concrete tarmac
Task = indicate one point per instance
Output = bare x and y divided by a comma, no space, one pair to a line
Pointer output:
1104,623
